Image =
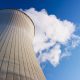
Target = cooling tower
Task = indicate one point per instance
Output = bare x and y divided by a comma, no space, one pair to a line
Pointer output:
17,57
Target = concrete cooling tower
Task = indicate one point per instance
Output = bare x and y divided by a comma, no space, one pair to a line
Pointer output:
17,57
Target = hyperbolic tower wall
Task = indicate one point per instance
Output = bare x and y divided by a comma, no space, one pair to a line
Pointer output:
17,58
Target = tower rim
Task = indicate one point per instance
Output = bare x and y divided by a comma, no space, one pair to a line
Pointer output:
22,13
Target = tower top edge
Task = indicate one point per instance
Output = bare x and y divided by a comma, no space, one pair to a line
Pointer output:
21,13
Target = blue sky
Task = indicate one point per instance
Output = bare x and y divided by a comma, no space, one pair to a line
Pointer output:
69,68
69,9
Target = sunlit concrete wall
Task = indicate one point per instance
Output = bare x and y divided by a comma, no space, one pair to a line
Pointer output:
17,58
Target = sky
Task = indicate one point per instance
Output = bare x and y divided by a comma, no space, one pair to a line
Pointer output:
60,55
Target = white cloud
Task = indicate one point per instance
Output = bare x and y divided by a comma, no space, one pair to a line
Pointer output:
50,34
75,40
53,56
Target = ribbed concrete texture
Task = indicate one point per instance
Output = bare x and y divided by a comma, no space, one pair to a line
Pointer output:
17,57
